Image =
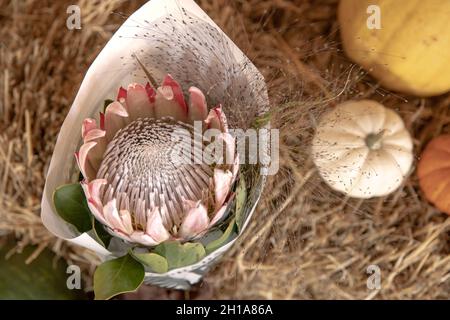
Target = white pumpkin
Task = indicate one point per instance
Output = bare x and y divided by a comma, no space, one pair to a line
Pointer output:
362,149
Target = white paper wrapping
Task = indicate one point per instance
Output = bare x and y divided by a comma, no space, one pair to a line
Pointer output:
168,36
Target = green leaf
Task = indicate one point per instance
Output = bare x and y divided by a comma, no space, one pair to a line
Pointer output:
155,262
210,236
71,205
117,276
241,198
45,278
102,235
224,239
180,255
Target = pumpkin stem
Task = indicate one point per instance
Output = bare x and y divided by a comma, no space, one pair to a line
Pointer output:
373,139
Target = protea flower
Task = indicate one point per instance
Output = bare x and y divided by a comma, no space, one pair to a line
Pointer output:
132,182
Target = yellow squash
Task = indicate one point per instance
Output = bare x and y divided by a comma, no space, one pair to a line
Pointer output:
410,53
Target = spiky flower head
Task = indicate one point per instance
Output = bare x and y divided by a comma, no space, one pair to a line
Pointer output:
133,182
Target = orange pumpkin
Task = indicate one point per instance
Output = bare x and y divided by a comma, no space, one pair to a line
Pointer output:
434,172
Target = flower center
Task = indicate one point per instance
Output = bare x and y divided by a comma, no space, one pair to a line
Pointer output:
143,169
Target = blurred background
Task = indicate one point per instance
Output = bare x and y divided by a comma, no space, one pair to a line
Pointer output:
305,241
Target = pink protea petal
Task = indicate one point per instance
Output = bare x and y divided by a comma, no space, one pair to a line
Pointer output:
212,121
122,94
222,117
138,102
140,214
102,121
94,134
112,216
155,227
84,164
219,215
95,141
166,106
98,213
116,118
92,193
142,238
122,235
88,125
166,92
216,119
94,190
151,93
127,221
177,91
198,110
222,184
195,222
